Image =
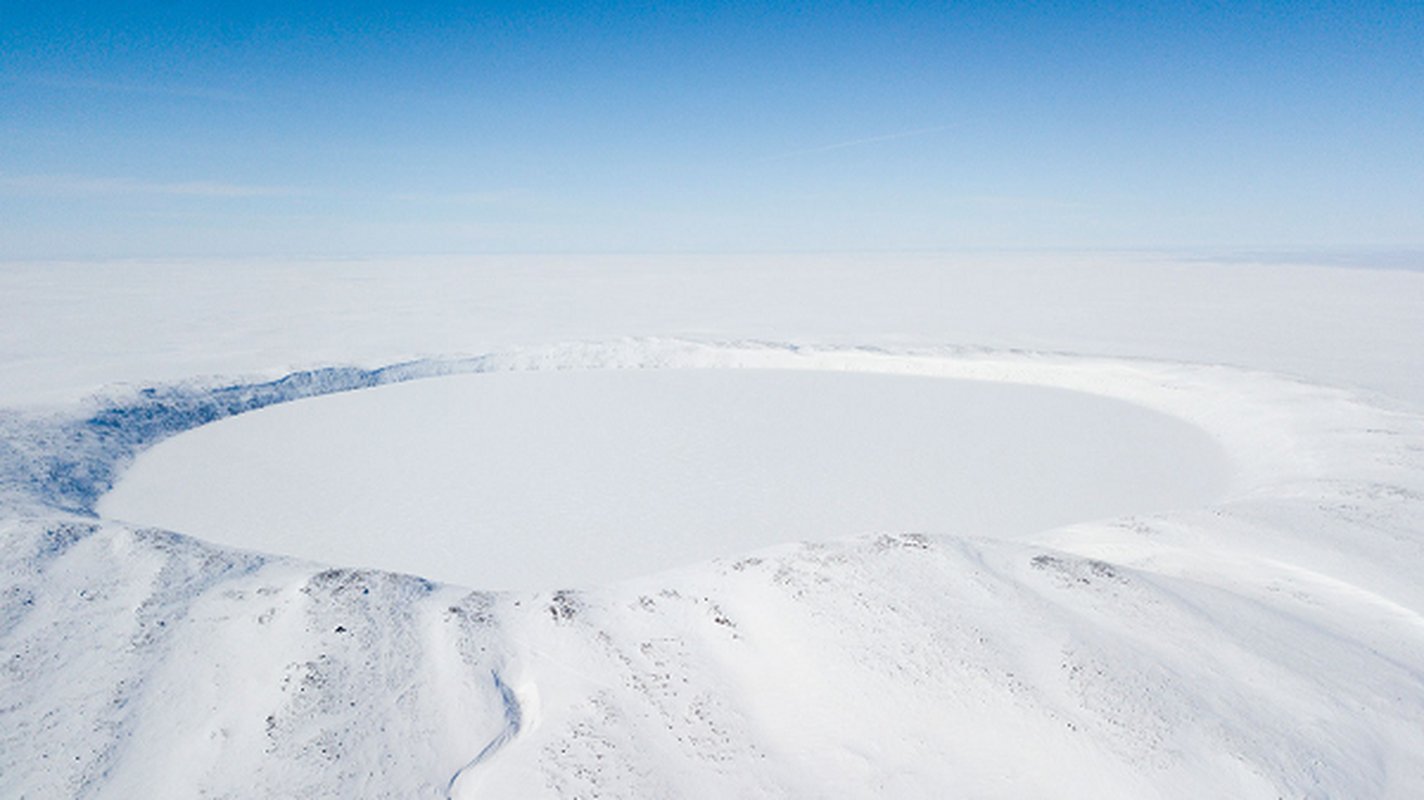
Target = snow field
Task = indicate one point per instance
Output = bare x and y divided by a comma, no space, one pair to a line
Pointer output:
1264,644
548,479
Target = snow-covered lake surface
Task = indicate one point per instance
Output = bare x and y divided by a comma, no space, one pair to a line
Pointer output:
543,480
1262,639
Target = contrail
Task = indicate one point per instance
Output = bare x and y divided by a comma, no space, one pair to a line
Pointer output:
856,142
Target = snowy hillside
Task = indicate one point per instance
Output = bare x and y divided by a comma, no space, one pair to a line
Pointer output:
1254,630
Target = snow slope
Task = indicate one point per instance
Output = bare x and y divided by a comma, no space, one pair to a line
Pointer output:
1268,644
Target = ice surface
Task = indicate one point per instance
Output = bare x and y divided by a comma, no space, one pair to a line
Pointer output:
538,480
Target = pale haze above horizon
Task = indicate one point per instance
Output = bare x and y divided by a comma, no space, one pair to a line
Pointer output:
357,129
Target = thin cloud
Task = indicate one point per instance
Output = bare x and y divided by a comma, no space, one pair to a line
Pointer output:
77,186
490,198
1014,202
858,142
118,87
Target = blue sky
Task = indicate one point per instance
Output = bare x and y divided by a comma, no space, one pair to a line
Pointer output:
359,129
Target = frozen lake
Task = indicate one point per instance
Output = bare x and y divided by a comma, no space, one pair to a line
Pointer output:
571,478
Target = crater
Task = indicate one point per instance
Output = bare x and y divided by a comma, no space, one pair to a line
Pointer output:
539,480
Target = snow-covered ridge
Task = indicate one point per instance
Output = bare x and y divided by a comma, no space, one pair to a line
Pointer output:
1269,645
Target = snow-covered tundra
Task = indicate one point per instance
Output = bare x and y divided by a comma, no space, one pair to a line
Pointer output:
795,526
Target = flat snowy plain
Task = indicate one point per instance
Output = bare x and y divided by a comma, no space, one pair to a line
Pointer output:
532,480
801,526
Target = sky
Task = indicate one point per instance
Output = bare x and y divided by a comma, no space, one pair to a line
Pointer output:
355,129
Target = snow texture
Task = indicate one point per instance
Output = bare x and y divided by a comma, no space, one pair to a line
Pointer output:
575,478
1267,645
